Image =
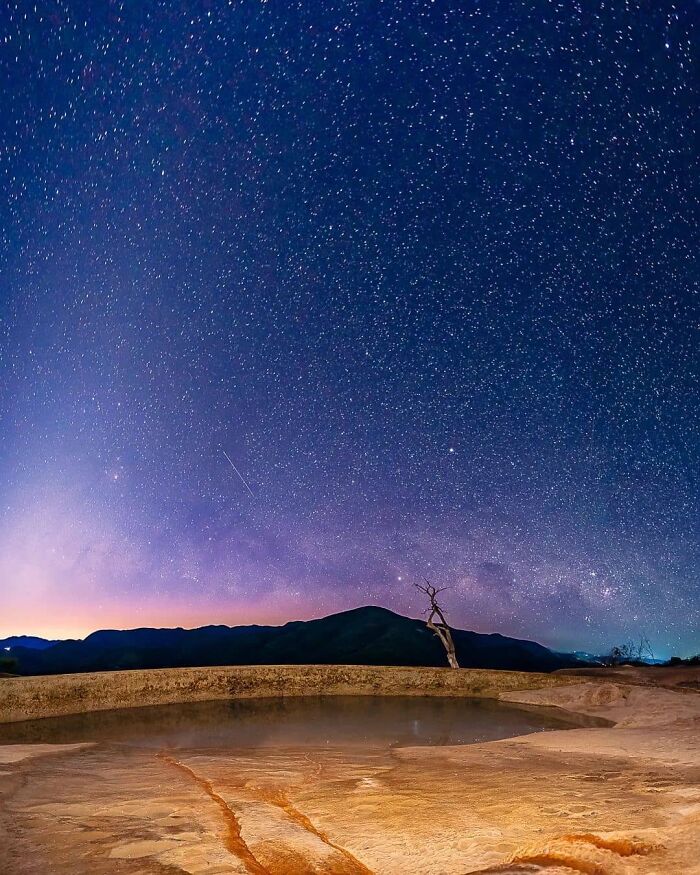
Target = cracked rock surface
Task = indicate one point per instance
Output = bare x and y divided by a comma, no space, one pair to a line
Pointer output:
607,800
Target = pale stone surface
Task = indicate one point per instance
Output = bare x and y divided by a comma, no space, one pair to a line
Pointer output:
618,800
13,753
623,704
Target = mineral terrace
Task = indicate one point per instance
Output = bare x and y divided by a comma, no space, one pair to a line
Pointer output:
611,800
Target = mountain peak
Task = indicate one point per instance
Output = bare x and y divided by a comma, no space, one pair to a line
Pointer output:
368,635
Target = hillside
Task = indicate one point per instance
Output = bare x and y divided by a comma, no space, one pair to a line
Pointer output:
29,641
363,636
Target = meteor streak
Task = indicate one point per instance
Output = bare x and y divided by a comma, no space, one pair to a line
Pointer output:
242,478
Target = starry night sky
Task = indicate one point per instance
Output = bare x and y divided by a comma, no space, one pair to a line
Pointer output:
426,271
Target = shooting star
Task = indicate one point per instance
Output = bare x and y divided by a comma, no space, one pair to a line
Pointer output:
242,478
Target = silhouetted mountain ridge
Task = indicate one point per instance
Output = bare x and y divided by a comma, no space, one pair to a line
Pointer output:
29,641
362,636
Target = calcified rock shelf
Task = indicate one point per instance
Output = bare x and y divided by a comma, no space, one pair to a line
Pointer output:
613,800
27,698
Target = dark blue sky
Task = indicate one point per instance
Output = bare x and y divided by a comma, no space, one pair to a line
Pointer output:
426,271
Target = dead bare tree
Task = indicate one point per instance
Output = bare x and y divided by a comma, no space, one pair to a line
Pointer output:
441,629
645,652
630,653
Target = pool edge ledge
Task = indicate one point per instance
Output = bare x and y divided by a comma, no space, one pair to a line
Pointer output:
30,698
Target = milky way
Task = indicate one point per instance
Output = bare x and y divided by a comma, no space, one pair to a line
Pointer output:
425,271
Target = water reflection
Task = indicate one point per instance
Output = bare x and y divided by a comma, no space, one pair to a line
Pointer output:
313,721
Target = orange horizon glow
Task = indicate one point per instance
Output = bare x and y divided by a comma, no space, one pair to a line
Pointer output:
66,622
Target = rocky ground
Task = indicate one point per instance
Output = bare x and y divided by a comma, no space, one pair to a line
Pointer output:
28,698
611,800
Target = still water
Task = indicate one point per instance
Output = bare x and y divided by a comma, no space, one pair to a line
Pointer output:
313,721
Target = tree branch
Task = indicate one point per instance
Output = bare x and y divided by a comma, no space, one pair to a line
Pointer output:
440,629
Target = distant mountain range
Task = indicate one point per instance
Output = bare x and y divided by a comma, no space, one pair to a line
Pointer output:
363,636
29,641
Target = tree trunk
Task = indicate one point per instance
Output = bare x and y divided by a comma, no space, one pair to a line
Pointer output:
442,630
452,659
